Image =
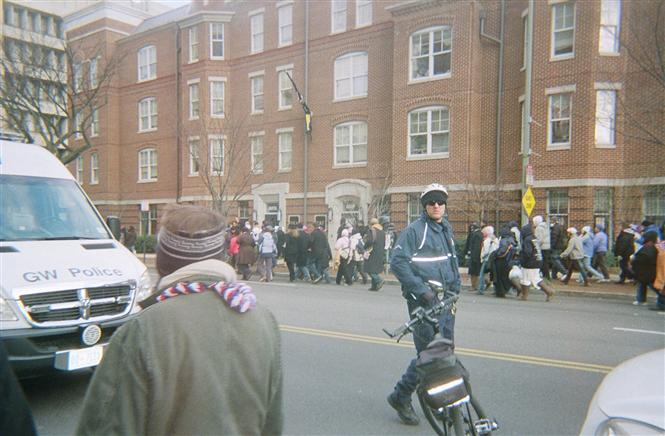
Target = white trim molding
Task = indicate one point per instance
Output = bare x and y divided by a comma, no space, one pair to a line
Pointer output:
608,85
560,89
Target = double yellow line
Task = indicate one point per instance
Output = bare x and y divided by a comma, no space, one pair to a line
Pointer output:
532,360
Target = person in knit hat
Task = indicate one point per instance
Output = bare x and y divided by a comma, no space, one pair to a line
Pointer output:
575,255
202,358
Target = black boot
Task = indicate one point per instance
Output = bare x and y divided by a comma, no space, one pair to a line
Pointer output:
404,409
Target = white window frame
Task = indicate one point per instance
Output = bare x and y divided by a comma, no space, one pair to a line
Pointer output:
550,99
92,72
78,125
525,40
147,112
351,126
283,150
338,8
147,63
430,55
255,94
79,169
214,140
360,6
605,121
194,155
554,31
194,44
147,159
215,39
281,76
610,27
214,81
94,168
94,123
256,161
339,76
256,29
194,98
285,37
77,76
429,154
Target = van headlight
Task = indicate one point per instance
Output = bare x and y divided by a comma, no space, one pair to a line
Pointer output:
145,287
6,312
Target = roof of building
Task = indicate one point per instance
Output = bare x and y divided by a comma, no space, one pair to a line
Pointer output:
165,18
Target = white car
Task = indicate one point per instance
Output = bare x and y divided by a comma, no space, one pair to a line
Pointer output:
630,400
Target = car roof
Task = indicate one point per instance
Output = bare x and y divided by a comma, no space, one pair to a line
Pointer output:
21,159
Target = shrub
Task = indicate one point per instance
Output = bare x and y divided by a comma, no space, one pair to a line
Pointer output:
146,241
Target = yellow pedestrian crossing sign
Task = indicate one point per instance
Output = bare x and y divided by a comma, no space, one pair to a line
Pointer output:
529,201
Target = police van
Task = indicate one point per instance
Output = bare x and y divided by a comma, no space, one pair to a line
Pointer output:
65,283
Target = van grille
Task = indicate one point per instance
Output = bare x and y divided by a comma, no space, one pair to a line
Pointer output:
73,306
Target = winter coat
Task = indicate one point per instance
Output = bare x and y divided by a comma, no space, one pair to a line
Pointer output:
543,236
474,244
303,249
267,246
357,247
659,282
600,242
246,253
644,264
624,245
587,245
424,251
320,249
490,245
376,243
506,251
291,247
189,364
575,250
557,237
530,255
343,247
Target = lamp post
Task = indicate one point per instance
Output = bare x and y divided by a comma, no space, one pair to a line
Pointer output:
526,126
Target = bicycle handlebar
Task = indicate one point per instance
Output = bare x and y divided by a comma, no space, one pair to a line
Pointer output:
420,314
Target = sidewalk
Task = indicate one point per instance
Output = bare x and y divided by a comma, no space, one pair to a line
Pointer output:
601,290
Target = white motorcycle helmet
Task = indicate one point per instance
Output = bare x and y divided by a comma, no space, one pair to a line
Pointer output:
432,190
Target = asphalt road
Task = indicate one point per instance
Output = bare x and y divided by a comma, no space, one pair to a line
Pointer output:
534,365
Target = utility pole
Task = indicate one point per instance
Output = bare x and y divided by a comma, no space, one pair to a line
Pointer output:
526,126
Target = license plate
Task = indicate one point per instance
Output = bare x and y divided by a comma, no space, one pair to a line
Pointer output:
76,359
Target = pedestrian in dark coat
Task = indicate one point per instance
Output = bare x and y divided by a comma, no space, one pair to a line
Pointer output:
321,254
474,241
503,261
303,255
644,267
281,240
624,247
291,251
376,244
246,254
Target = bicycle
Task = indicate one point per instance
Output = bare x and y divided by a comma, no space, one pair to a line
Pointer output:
444,392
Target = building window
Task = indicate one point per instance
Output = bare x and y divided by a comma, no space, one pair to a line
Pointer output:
77,76
148,223
216,143
557,206
563,30
147,165
351,143
363,13
351,75
78,125
525,39
257,154
79,170
94,123
194,101
602,209
559,120
285,17
285,144
147,63
243,211
216,40
610,19
654,204
147,114
194,156
256,31
285,88
605,117
338,16
94,168
414,207
92,72
193,44
429,131
217,98
523,129
430,52
257,94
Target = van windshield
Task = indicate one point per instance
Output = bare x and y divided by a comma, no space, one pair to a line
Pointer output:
39,208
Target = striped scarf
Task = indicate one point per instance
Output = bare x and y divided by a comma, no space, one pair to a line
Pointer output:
238,296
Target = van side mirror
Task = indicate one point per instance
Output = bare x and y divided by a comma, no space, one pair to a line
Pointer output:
114,224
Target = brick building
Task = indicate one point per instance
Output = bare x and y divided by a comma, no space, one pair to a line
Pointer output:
403,93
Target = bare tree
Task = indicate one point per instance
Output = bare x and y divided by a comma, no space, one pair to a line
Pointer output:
222,155
483,199
380,204
42,88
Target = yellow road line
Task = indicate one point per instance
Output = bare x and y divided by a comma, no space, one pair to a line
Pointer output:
533,360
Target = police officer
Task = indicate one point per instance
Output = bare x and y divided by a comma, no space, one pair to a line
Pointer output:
424,251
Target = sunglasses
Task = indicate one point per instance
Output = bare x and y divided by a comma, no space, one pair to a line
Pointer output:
439,203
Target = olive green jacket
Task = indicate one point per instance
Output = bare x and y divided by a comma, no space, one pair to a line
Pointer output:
189,365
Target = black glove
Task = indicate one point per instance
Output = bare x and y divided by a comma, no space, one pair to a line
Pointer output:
429,299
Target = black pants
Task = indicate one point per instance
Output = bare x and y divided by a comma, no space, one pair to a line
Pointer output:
626,273
598,262
545,268
291,265
345,271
